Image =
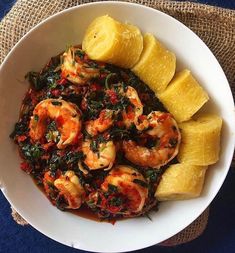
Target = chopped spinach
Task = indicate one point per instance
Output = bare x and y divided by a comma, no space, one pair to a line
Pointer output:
93,64
57,103
31,152
152,175
36,117
20,128
140,182
119,133
116,201
80,53
107,79
94,146
173,142
47,78
112,188
63,162
152,142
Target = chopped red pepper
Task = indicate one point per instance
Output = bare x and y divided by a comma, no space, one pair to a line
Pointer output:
119,123
21,138
106,136
60,120
142,117
144,96
103,75
45,157
130,113
113,96
46,146
33,97
62,81
25,167
84,104
56,92
163,117
95,87
86,58
114,209
101,64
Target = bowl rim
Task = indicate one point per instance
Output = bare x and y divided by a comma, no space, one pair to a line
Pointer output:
84,5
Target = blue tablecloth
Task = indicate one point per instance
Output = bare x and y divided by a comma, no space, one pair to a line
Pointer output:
219,236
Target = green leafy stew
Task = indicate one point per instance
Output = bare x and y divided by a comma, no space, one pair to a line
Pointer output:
89,189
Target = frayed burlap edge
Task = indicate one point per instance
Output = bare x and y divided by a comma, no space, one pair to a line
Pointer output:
212,24
17,218
188,234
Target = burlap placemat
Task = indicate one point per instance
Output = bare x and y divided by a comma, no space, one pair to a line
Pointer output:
215,26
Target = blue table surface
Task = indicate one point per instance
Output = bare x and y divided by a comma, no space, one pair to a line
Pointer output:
219,236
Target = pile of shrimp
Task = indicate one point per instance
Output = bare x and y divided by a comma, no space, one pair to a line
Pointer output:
93,134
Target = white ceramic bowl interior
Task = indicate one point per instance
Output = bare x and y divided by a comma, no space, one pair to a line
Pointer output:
50,38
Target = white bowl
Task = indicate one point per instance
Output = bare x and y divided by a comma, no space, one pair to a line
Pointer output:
50,38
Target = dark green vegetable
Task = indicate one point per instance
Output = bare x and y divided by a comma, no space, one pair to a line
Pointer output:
112,188
152,175
80,54
47,78
173,142
20,128
94,145
107,79
31,152
36,117
119,133
64,162
56,103
93,64
152,142
140,182
116,201
33,78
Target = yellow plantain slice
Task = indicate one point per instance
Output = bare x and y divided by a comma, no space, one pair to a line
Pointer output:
181,181
184,96
200,143
113,42
156,65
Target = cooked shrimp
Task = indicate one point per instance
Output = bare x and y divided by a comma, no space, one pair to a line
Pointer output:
133,111
67,186
48,183
103,157
66,116
129,191
165,132
70,188
75,70
102,123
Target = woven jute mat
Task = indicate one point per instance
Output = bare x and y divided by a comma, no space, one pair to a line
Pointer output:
215,26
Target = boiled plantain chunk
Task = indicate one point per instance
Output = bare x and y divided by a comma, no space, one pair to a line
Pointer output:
200,144
181,181
184,96
156,65
113,42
